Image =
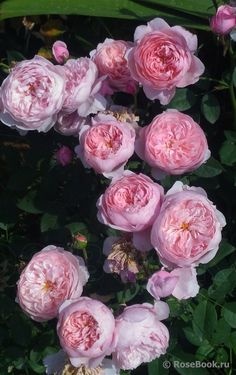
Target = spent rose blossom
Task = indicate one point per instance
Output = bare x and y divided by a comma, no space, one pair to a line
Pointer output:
131,203
69,123
188,228
82,87
60,51
86,329
141,337
107,145
163,59
32,95
173,143
181,283
110,58
224,20
64,156
52,276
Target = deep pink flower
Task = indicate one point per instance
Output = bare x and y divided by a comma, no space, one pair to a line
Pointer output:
64,156
224,20
60,51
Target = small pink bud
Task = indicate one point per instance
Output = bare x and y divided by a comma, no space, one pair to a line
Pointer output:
80,241
64,156
224,20
60,51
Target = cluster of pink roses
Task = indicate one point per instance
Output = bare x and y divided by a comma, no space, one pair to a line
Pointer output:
183,225
51,286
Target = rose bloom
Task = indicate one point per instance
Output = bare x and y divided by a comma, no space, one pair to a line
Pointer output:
141,337
32,95
188,228
224,20
82,87
163,59
110,58
69,123
107,145
60,51
58,364
131,203
172,143
181,283
86,329
52,276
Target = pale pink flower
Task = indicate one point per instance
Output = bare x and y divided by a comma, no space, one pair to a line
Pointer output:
86,329
110,58
64,156
107,145
82,87
181,283
172,143
52,276
32,95
60,51
163,59
141,337
69,123
188,228
131,203
224,20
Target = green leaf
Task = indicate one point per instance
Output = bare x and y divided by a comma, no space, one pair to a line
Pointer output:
48,222
27,203
211,168
158,367
224,283
228,153
225,249
232,341
183,100
229,313
222,332
185,13
210,108
204,320
230,135
127,295
204,350
191,337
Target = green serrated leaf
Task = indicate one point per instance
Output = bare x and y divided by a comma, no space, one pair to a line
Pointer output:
228,153
211,168
210,108
184,99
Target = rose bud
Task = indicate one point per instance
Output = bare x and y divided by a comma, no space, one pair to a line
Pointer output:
60,51
52,276
188,229
173,143
80,241
224,20
86,330
141,337
162,59
64,156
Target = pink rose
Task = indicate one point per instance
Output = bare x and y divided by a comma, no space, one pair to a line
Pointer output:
32,95
110,58
107,145
181,283
60,51
163,59
82,87
52,276
224,20
188,228
69,123
131,203
172,143
141,337
86,331
64,156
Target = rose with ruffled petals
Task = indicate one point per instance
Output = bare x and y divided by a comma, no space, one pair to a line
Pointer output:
110,58
82,87
141,337
69,123
188,228
224,20
107,145
163,59
86,329
172,143
32,95
52,276
181,283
